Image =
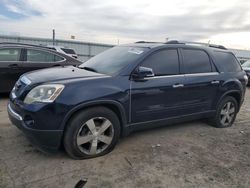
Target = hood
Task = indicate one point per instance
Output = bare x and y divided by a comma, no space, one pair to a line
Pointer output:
58,74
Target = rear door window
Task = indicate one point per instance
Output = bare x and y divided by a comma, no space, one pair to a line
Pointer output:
42,56
164,62
10,54
227,61
196,61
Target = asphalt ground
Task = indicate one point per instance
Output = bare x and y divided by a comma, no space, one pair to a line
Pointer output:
191,154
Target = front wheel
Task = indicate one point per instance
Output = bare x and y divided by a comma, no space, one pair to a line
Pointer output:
226,113
92,133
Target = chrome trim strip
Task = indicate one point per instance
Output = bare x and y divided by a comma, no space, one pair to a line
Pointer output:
167,76
14,114
182,75
202,74
215,82
178,85
13,95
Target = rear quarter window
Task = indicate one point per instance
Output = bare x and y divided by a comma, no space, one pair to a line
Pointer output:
227,61
42,56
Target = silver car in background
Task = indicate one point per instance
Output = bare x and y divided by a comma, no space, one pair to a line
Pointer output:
68,51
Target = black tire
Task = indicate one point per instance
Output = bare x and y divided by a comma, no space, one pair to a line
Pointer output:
216,120
75,124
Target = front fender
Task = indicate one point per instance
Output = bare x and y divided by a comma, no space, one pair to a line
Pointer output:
85,105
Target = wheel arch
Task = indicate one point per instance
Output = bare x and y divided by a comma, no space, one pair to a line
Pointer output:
233,93
115,106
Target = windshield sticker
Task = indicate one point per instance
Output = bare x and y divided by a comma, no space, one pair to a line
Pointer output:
135,51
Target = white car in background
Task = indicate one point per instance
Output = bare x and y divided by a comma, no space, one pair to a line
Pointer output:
61,49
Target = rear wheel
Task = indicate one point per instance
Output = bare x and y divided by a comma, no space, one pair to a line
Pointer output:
92,133
226,113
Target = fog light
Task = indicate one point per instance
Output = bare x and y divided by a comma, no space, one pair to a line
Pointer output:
29,121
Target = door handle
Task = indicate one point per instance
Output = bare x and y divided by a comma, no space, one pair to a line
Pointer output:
215,82
13,66
178,85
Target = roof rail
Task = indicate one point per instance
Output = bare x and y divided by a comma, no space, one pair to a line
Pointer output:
146,42
196,43
17,43
173,42
217,46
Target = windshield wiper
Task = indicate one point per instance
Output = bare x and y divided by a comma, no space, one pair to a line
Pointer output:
88,69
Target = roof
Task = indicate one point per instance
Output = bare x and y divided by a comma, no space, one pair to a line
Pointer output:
176,43
144,44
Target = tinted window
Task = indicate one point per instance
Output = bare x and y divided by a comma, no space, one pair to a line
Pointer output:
41,56
196,61
164,62
10,54
227,61
114,59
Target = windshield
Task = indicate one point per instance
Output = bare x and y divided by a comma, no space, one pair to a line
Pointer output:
246,64
113,60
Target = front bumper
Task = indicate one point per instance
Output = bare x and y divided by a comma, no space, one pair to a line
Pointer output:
46,140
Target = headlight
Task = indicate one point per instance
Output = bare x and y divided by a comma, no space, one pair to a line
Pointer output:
44,93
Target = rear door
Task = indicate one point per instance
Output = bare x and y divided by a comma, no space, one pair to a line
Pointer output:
10,67
39,59
201,80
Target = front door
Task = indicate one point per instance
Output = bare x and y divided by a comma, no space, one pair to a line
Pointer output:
161,96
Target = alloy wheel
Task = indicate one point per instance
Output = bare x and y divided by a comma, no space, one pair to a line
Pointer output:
95,135
227,113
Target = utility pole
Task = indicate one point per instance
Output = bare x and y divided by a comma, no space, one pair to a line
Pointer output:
53,37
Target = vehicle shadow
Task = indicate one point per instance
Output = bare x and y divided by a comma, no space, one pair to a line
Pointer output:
4,95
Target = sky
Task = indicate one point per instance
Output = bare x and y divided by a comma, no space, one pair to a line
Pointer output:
225,22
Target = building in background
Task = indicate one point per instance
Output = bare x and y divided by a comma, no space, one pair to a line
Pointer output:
86,50
242,55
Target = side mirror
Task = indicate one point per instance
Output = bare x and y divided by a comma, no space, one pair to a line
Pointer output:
143,72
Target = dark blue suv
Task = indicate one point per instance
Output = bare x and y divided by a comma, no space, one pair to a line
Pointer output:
126,88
